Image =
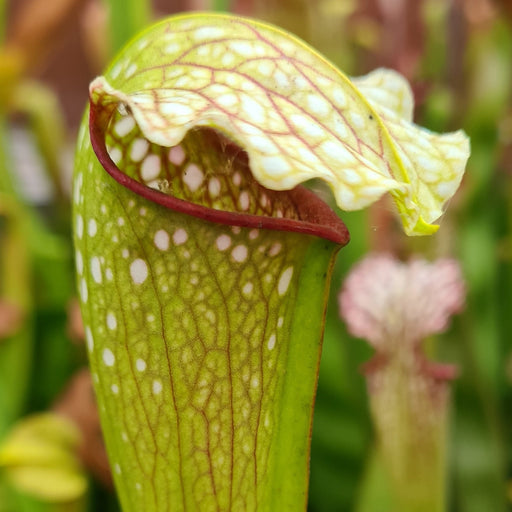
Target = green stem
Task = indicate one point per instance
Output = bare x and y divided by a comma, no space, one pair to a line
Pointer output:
410,411
221,5
15,351
127,17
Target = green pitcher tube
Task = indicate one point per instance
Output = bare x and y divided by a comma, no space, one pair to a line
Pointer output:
204,337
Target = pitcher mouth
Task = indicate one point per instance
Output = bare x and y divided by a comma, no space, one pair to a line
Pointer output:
303,211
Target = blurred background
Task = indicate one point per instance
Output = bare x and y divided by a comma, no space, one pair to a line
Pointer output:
458,57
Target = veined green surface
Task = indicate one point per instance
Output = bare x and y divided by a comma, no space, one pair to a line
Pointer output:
205,376
295,114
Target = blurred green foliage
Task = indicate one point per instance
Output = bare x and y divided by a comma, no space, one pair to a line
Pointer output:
458,56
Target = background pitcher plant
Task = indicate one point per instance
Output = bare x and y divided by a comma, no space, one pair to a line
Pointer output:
203,266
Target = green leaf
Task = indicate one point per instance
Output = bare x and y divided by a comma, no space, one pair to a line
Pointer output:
127,17
16,349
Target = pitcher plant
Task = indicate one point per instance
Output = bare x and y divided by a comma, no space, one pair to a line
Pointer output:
203,265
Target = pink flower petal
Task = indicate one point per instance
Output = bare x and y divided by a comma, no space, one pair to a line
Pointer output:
389,302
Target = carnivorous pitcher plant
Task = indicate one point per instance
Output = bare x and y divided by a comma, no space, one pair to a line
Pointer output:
202,264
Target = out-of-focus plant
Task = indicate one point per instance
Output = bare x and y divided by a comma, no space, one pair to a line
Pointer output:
395,307
45,456
31,38
11,318
40,458
15,305
35,271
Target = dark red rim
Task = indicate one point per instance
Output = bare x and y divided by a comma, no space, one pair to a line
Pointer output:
319,219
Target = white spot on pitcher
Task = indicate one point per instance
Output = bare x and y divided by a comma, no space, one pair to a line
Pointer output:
227,100
177,155
161,240
239,253
92,227
79,262
193,177
89,339
131,70
318,105
208,33
244,200
214,187
150,168
84,294
172,48
138,149
108,357
237,179
284,281
157,387
96,269
275,249
177,109
223,242
228,59
79,226
111,321
357,120
116,155
138,271
124,126
180,236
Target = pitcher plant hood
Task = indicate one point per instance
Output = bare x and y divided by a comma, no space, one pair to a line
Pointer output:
293,112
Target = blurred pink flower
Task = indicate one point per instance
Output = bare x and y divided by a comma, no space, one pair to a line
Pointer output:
395,306
386,301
